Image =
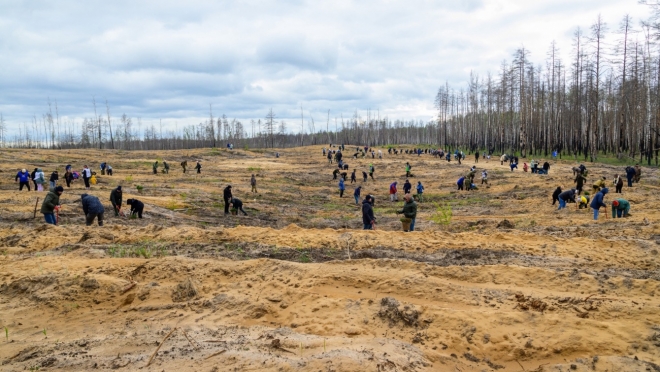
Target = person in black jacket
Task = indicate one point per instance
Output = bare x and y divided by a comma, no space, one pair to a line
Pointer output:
368,218
116,200
555,195
227,195
92,208
238,204
34,181
136,207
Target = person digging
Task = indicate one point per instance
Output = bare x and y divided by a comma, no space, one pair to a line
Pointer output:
237,204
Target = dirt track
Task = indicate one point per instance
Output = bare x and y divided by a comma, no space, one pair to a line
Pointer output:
296,285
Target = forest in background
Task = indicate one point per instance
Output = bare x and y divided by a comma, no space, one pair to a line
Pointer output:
605,100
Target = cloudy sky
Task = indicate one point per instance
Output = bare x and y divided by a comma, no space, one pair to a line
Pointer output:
168,60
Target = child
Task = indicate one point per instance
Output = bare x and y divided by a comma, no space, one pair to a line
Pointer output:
420,190
484,177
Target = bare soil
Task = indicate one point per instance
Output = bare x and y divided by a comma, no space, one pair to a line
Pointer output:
297,285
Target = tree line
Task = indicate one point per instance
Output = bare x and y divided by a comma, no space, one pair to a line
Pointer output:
604,100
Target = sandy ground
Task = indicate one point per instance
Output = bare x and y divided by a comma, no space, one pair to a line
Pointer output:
297,285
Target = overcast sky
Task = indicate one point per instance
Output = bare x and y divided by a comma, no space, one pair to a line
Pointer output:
170,59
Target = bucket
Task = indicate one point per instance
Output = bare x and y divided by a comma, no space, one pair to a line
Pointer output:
405,223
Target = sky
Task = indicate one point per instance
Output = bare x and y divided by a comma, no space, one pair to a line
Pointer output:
171,61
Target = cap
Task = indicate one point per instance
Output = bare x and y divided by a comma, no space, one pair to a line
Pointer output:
23,170
615,203
118,188
59,189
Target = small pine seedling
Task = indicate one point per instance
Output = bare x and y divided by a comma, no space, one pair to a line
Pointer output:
7,333
44,332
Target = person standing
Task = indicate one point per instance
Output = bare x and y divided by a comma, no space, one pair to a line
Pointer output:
137,207
638,173
23,177
116,200
253,183
620,208
630,175
371,171
393,192
86,175
51,202
420,190
484,177
409,210
54,177
598,202
238,204
368,218
353,178
166,167
476,157
356,194
227,196
364,176
33,177
39,179
618,184
407,187
579,181
155,167
198,167
92,208
407,169
68,177
341,187
184,165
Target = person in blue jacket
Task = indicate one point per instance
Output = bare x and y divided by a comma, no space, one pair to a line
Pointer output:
460,183
341,187
630,175
92,208
24,178
599,202
356,194
420,190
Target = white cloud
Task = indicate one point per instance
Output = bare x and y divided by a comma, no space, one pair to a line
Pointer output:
169,60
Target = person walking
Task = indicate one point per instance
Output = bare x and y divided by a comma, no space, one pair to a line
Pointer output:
86,175
116,200
393,192
353,178
227,196
23,177
371,171
420,190
620,208
237,204
137,207
253,183
341,187
92,208
50,203
364,176
54,177
356,194
184,165
368,218
409,210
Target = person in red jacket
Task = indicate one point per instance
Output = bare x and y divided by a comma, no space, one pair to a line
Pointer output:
393,192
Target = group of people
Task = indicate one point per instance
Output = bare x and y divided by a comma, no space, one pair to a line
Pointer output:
38,177
92,207
166,167
599,189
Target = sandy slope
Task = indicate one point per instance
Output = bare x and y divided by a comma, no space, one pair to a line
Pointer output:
296,285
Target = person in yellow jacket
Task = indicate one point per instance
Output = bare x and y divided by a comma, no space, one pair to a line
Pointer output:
598,185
